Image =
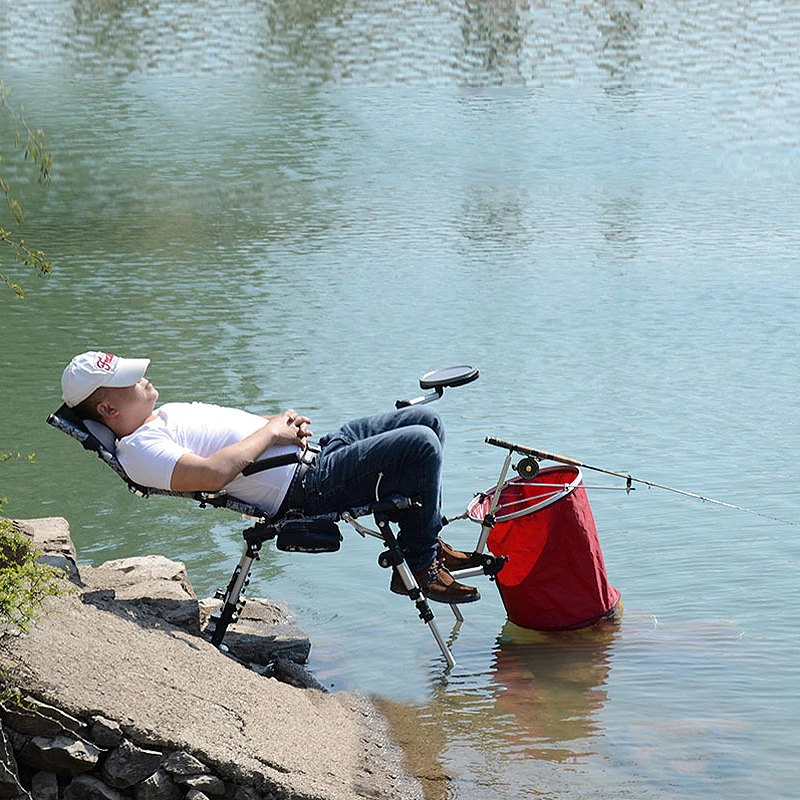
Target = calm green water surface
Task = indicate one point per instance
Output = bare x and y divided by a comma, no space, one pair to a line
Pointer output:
311,205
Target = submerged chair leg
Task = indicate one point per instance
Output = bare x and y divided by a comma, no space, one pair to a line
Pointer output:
393,557
231,597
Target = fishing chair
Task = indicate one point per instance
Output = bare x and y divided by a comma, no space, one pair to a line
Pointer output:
291,532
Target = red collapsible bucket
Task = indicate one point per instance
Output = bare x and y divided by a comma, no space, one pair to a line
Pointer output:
555,578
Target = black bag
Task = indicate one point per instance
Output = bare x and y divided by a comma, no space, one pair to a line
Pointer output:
308,535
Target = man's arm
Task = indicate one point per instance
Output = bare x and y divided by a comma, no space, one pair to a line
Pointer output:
194,473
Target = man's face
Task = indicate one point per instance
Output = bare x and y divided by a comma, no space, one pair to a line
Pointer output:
134,401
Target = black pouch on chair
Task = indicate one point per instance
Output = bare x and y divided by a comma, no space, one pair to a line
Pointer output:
308,535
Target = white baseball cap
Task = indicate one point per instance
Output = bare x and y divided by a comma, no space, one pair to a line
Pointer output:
90,371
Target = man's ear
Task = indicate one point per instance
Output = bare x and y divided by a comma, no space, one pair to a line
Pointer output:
106,410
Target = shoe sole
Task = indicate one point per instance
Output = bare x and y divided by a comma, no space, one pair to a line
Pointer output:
470,598
471,564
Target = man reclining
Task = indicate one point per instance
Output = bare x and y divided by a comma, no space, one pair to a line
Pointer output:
200,447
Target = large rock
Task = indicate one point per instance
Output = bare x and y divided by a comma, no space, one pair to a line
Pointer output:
44,786
265,630
146,588
183,764
294,674
159,786
31,716
65,754
209,785
87,787
153,590
105,732
50,535
168,690
128,764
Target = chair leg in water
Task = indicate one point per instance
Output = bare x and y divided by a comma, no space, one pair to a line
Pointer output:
393,557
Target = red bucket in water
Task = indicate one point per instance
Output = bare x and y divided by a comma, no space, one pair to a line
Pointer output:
555,578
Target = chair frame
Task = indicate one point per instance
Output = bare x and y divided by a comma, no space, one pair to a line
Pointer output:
265,528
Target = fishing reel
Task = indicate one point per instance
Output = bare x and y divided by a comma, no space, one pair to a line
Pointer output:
527,467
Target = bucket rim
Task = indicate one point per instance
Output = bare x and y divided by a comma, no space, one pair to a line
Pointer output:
566,489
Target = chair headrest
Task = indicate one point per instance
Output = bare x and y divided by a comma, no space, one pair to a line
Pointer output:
105,435
84,430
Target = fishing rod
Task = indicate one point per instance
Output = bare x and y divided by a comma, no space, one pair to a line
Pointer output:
529,470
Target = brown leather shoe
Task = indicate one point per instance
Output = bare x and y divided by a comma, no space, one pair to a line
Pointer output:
454,560
437,584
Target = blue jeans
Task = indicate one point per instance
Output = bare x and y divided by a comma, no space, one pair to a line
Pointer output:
399,452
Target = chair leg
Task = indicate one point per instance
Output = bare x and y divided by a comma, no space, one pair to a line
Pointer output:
231,597
393,557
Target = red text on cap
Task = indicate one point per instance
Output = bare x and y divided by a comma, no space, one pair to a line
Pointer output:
104,361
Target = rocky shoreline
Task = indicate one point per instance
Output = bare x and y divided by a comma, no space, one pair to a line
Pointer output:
119,697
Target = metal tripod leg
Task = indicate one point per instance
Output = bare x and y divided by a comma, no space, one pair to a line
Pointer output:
231,597
394,557
424,609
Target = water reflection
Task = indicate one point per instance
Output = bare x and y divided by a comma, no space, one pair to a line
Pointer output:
494,34
621,221
479,43
538,700
106,28
620,37
552,686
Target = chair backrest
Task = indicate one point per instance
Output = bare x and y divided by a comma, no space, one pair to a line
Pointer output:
99,439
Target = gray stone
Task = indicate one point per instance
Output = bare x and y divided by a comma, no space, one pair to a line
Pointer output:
182,763
210,784
159,786
35,718
246,793
64,754
129,764
17,740
287,671
105,732
44,786
143,569
195,794
87,787
9,775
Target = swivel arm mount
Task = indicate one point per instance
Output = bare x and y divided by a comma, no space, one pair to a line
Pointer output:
438,381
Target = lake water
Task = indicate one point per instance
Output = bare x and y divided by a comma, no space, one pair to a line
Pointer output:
310,205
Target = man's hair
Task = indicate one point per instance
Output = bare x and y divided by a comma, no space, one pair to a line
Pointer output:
87,409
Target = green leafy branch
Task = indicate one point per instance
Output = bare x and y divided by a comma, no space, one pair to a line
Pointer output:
25,583
32,143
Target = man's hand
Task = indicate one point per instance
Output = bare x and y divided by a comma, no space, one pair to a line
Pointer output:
290,428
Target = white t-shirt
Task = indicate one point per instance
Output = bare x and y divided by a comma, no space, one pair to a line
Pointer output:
150,453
